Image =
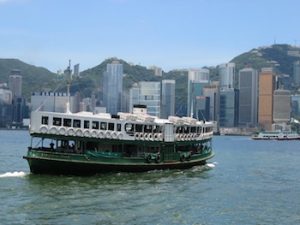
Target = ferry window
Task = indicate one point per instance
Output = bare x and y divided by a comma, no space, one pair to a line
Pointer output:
56,121
128,127
118,127
193,129
103,125
148,128
67,122
76,123
86,124
45,120
199,129
139,128
186,130
111,126
95,125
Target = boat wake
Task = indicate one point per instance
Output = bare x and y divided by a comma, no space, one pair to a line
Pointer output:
13,174
211,165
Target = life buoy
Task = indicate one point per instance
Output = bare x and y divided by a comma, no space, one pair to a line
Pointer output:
155,137
150,137
145,136
137,136
43,129
141,136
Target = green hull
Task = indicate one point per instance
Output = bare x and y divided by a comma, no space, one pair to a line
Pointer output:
42,162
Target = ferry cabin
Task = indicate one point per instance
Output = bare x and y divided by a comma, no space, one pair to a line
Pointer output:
124,135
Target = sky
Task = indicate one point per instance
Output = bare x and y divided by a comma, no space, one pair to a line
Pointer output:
171,34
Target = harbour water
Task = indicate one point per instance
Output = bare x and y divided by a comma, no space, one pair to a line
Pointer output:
247,182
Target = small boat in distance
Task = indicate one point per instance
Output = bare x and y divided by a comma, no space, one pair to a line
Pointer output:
87,143
276,135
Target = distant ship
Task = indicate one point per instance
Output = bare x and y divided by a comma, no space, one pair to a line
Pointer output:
87,143
276,135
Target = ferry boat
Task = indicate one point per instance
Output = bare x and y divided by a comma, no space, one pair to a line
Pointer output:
276,135
87,143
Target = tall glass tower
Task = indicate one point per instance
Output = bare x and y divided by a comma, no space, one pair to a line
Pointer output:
167,98
113,87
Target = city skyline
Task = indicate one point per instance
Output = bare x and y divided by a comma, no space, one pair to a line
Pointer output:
169,34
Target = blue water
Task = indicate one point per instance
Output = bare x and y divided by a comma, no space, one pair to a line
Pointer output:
247,182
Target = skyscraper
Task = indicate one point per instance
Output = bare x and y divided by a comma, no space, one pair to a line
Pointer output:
197,80
167,98
212,91
248,97
113,87
265,99
15,83
282,106
296,73
227,75
228,107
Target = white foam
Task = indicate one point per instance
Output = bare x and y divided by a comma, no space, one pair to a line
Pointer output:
13,174
211,165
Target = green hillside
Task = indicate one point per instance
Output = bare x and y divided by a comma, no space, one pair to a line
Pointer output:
279,56
34,78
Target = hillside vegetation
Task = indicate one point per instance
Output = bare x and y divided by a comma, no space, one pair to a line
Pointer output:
279,56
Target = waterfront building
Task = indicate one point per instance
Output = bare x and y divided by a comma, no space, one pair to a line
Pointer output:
282,106
53,102
167,98
227,75
228,107
248,97
149,93
15,83
113,87
197,80
265,99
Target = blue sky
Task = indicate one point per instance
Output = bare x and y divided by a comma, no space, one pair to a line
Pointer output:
166,33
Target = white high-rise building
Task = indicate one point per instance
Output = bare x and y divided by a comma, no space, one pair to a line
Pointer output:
113,87
226,75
